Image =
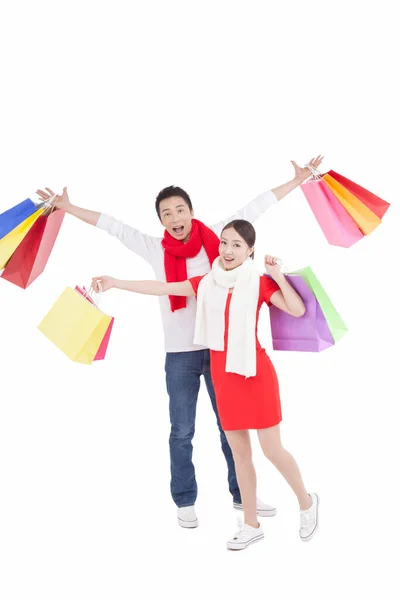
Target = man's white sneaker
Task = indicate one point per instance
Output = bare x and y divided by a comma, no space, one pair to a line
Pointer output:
245,536
309,520
263,510
187,517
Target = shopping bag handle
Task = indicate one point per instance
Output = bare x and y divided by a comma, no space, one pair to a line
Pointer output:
90,292
314,172
46,205
283,266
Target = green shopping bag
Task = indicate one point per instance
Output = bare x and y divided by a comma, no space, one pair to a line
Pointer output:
335,322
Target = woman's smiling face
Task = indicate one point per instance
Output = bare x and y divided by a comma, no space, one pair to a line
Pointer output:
233,249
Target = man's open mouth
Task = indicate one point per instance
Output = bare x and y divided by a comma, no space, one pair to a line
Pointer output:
178,230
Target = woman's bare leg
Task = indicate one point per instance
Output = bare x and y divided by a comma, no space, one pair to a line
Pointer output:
270,440
239,441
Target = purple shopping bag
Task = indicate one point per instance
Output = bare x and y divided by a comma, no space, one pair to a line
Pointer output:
309,333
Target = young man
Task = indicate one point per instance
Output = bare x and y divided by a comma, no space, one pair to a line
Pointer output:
187,249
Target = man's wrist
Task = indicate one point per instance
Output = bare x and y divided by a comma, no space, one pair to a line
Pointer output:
71,209
301,179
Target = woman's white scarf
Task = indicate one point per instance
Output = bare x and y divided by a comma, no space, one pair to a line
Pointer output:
212,295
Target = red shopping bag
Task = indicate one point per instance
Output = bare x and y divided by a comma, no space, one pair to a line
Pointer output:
30,258
373,202
101,352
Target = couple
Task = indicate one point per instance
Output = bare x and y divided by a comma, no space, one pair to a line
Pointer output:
246,387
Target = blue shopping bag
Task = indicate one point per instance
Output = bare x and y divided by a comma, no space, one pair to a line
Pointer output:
13,217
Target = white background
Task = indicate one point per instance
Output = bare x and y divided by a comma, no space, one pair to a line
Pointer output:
117,100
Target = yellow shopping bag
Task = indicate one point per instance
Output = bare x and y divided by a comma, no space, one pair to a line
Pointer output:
75,326
366,220
10,242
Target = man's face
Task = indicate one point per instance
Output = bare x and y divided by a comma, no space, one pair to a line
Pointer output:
176,217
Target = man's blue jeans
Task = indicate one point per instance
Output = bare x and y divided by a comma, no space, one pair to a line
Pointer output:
183,371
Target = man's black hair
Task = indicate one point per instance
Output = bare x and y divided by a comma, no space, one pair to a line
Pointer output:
172,190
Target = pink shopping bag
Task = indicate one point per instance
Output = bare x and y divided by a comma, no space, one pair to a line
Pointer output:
101,352
336,223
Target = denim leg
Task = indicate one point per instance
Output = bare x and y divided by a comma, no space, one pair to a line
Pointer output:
226,449
183,371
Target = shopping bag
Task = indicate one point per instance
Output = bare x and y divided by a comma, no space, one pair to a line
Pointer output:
309,333
321,325
30,258
101,353
335,322
15,215
373,202
366,220
336,223
75,326
10,242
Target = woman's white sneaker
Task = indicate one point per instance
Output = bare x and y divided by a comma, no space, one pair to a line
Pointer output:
263,510
309,520
245,536
187,517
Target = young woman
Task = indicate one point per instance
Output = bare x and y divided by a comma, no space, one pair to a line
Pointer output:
229,299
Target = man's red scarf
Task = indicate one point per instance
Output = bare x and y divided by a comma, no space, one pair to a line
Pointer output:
176,253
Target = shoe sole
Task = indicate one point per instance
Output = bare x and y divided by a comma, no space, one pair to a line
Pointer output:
188,524
231,546
309,537
261,513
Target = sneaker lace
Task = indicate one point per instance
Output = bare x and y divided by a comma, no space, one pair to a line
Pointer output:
241,530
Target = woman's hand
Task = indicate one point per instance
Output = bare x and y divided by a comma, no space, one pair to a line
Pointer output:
302,173
62,202
272,267
103,283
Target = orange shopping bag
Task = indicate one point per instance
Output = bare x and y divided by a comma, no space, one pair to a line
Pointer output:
366,220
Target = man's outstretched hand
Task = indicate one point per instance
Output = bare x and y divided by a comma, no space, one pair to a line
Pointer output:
303,173
61,202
